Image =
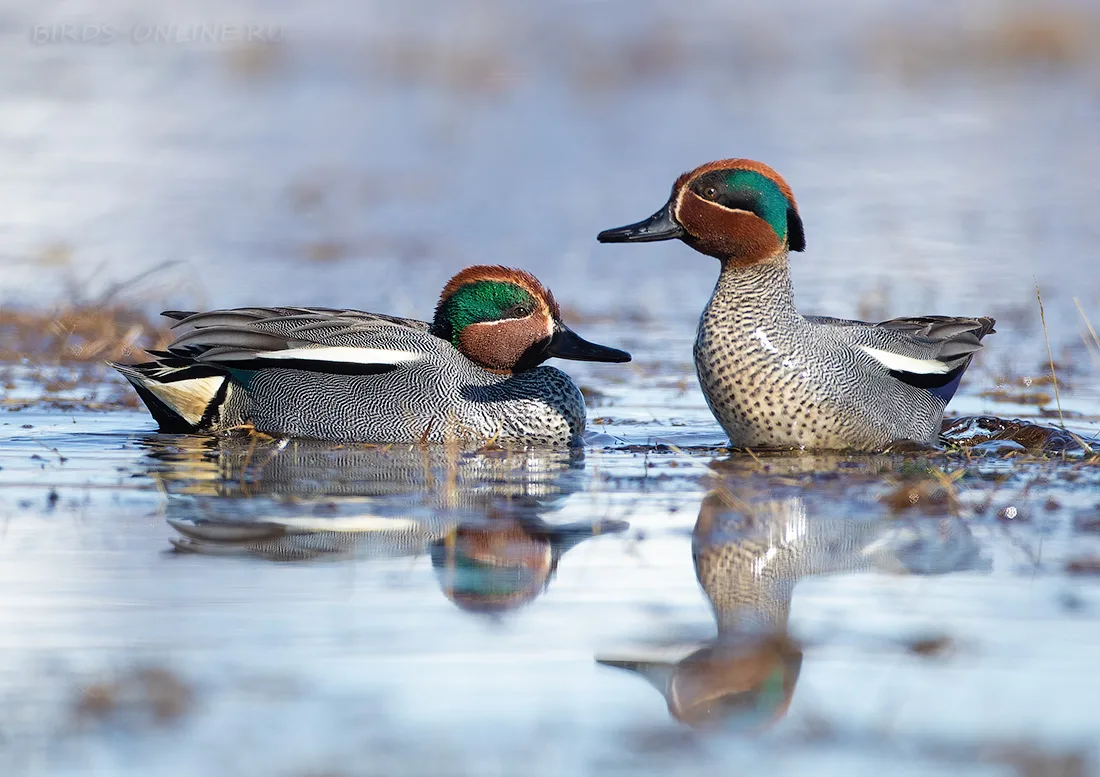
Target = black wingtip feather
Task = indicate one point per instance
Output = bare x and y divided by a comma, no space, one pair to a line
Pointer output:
177,315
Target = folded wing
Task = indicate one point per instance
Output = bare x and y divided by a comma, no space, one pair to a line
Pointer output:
929,352
189,379
316,339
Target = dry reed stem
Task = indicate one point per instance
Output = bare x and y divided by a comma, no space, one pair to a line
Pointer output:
1092,332
1050,357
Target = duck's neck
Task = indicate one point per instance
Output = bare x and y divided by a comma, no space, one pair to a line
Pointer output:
767,613
762,289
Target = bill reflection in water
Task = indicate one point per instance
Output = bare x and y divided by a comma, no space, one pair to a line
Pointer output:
748,557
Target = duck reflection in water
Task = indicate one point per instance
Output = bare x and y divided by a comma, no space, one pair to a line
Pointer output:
477,514
748,559
505,563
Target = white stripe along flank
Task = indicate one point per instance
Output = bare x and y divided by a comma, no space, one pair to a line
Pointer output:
899,363
343,354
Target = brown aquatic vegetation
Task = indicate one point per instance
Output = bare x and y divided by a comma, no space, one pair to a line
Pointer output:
1087,565
149,692
1040,399
1088,523
970,431
1011,35
62,351
325,251
936,494
78,333
1028,760
254,60
479,64
490,49
1029,390
933,647
1034,397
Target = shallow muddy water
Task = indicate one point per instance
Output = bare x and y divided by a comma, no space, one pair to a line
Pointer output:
175,605
650,604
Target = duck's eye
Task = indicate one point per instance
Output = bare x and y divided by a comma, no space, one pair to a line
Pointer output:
710,193
522,310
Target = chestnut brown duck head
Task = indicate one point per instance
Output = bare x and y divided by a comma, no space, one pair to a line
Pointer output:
736,210
506,321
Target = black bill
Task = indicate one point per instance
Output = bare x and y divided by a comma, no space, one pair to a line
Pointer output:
567,344
659,226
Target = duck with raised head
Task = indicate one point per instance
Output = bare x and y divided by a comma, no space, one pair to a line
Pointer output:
749,556
474,373
775,378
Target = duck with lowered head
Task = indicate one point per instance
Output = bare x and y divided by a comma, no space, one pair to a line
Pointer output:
473,373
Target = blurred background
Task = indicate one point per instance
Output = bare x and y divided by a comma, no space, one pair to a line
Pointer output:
944,156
